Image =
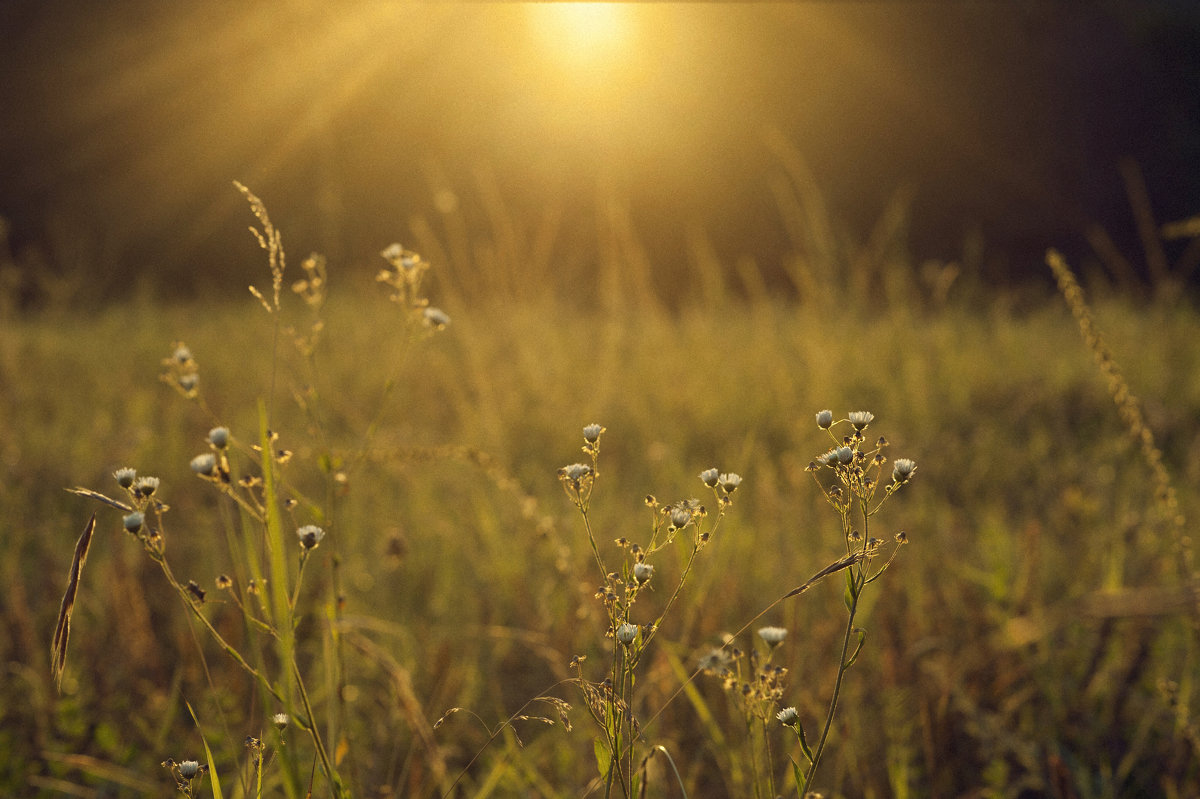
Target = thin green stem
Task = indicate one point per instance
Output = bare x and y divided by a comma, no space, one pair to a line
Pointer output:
190,603
315,734
837,685
587,525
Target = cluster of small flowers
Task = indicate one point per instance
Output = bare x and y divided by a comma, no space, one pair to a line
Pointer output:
761,692
181,372
403,275
851,462
577,480
141,491
312,287
214,465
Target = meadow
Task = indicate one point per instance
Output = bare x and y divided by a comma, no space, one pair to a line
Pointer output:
1033,637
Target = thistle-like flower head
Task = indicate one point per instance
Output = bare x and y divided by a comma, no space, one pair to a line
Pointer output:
219,437
642,572
788,717
860,419
902,469
310,536
626,632
205,464
773,636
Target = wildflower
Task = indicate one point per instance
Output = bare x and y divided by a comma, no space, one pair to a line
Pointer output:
204,465
825,419
829,458
189,769
133,522
680,517
591,433
772,635
710,477
716,661
125,477
435,318
788,717
310,536
626,633
393,252
145,486
280,720
575,472
642,572
219,437
844,455
182,354
860,419
903,469
189,382
730,482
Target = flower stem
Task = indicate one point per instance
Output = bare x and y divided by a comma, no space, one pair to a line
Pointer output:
837,685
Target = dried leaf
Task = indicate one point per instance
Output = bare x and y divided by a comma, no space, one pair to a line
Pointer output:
58,649
96,495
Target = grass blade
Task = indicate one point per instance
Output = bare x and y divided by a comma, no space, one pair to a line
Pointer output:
208,756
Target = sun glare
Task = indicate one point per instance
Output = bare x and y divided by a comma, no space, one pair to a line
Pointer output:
588,37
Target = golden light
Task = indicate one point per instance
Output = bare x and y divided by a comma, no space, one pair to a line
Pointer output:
589,39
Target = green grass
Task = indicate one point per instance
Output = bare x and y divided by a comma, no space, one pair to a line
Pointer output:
992,663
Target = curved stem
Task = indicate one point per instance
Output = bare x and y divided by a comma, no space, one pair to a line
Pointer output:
837,686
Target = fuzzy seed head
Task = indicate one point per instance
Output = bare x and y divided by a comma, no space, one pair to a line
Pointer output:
860,419
788,717
642,572
310,536
205,464
145,486
575,472
730,482
219,437
773,636
435,318
903,469
592,433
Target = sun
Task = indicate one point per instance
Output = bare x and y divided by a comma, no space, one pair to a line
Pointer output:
588,38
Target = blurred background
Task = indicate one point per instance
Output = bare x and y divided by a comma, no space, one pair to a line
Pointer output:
695,224
997,129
